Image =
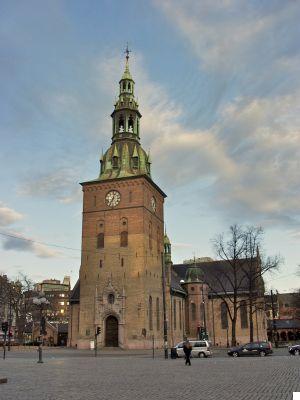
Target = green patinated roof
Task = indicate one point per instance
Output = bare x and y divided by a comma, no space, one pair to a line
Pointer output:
125,157
126,73
194,274
166,239
125,151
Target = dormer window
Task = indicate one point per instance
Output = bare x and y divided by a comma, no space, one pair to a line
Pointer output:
135,162
115,162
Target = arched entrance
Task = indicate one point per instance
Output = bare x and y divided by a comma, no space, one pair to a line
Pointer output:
111,332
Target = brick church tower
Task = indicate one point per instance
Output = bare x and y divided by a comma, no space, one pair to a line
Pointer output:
120,288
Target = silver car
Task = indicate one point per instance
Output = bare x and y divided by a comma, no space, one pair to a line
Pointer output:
200,348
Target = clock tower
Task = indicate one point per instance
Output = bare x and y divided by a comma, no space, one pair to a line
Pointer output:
120,285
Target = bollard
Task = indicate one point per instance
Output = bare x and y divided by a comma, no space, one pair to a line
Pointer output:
40,351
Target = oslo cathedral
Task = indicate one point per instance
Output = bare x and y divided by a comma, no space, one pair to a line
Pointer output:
125,255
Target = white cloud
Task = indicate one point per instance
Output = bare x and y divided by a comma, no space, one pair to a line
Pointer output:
9,216
61,184
17,242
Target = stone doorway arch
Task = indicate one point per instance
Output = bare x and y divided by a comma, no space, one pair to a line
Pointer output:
111,331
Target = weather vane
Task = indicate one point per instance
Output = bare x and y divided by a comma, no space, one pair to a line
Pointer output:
127,51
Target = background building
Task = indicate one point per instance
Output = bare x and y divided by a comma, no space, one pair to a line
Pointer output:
57,293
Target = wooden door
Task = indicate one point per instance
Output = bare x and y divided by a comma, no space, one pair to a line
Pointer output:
111,332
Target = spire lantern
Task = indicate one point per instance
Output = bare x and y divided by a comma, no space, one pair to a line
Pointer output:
125,157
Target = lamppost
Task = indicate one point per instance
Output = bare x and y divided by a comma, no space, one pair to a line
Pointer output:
204,314
40,302
164,305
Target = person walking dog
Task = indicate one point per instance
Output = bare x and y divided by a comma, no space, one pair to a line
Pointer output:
187,348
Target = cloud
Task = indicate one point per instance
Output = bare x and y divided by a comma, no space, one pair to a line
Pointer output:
249,157
61,184
17,242
9,216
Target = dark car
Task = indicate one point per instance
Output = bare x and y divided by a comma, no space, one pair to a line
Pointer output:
251,349
295,350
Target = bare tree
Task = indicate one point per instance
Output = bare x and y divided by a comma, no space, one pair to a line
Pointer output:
254,268
228,282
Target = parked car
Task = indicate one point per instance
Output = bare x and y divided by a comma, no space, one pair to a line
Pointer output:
200,348
251,349
295,350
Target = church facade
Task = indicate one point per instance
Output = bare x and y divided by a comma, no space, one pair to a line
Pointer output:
125,251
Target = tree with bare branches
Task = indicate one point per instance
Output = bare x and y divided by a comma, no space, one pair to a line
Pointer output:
255,267
228,283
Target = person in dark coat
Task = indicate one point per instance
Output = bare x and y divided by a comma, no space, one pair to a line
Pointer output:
187,348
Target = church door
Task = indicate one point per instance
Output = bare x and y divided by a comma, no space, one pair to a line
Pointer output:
111,332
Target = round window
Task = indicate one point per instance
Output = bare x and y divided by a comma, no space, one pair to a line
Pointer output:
111,298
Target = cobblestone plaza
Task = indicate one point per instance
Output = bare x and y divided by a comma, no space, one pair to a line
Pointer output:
70,374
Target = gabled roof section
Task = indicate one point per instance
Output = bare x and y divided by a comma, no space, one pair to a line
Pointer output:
216,271
75,293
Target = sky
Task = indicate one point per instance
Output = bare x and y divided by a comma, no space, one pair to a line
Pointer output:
218,84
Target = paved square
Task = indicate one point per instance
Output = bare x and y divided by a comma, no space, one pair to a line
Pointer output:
78,375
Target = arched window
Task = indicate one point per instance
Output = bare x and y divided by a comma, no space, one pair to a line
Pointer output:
121,123
243,314
193,311
157,314
130,124
150,314
174,312
100,240
124,85
224,316
129,86
124,239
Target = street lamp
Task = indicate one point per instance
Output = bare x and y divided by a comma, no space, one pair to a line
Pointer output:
40,302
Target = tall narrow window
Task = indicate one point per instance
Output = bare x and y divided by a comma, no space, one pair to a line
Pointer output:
150,235
193,311
180,316
224,316
124,239
130,124
174,313
100,240
150,314
121,124
157,314
243,314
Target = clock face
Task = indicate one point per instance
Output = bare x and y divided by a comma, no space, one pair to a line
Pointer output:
113,198
153,204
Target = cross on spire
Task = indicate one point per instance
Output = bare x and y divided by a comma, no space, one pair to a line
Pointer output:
127,51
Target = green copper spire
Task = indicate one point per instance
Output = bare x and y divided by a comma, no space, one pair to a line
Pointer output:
125,157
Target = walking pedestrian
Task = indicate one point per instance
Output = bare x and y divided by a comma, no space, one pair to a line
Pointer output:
187,348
